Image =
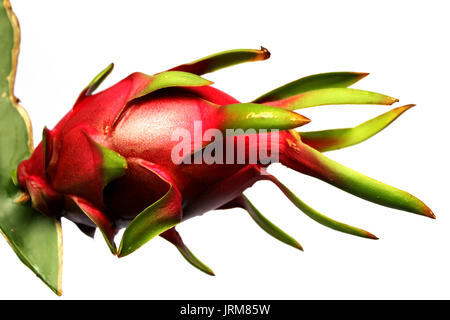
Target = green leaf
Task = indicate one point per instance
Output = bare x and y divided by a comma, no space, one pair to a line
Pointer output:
332,96
313,82
222,60
36,239
328,140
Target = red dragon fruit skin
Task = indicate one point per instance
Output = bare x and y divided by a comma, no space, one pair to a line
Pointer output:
108,163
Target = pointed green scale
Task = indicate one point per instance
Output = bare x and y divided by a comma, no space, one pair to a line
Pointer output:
313,82
113,164
45,136
36,239
175,238
160,81
258,116
252,116
173,79
193,260
328,140
95,83
317,165
46,146
332,96
222,60
101,221
268,226
155,219
317,216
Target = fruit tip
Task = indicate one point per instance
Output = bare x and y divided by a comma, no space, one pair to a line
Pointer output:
372,236
429,213
301,120
392,100
406,107
362,75
266,53
120,254
263,54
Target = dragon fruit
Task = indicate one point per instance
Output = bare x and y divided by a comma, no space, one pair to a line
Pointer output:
114,161
109,162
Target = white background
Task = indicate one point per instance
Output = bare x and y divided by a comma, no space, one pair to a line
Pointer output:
403,44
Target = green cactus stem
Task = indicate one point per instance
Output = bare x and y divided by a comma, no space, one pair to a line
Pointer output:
35,238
